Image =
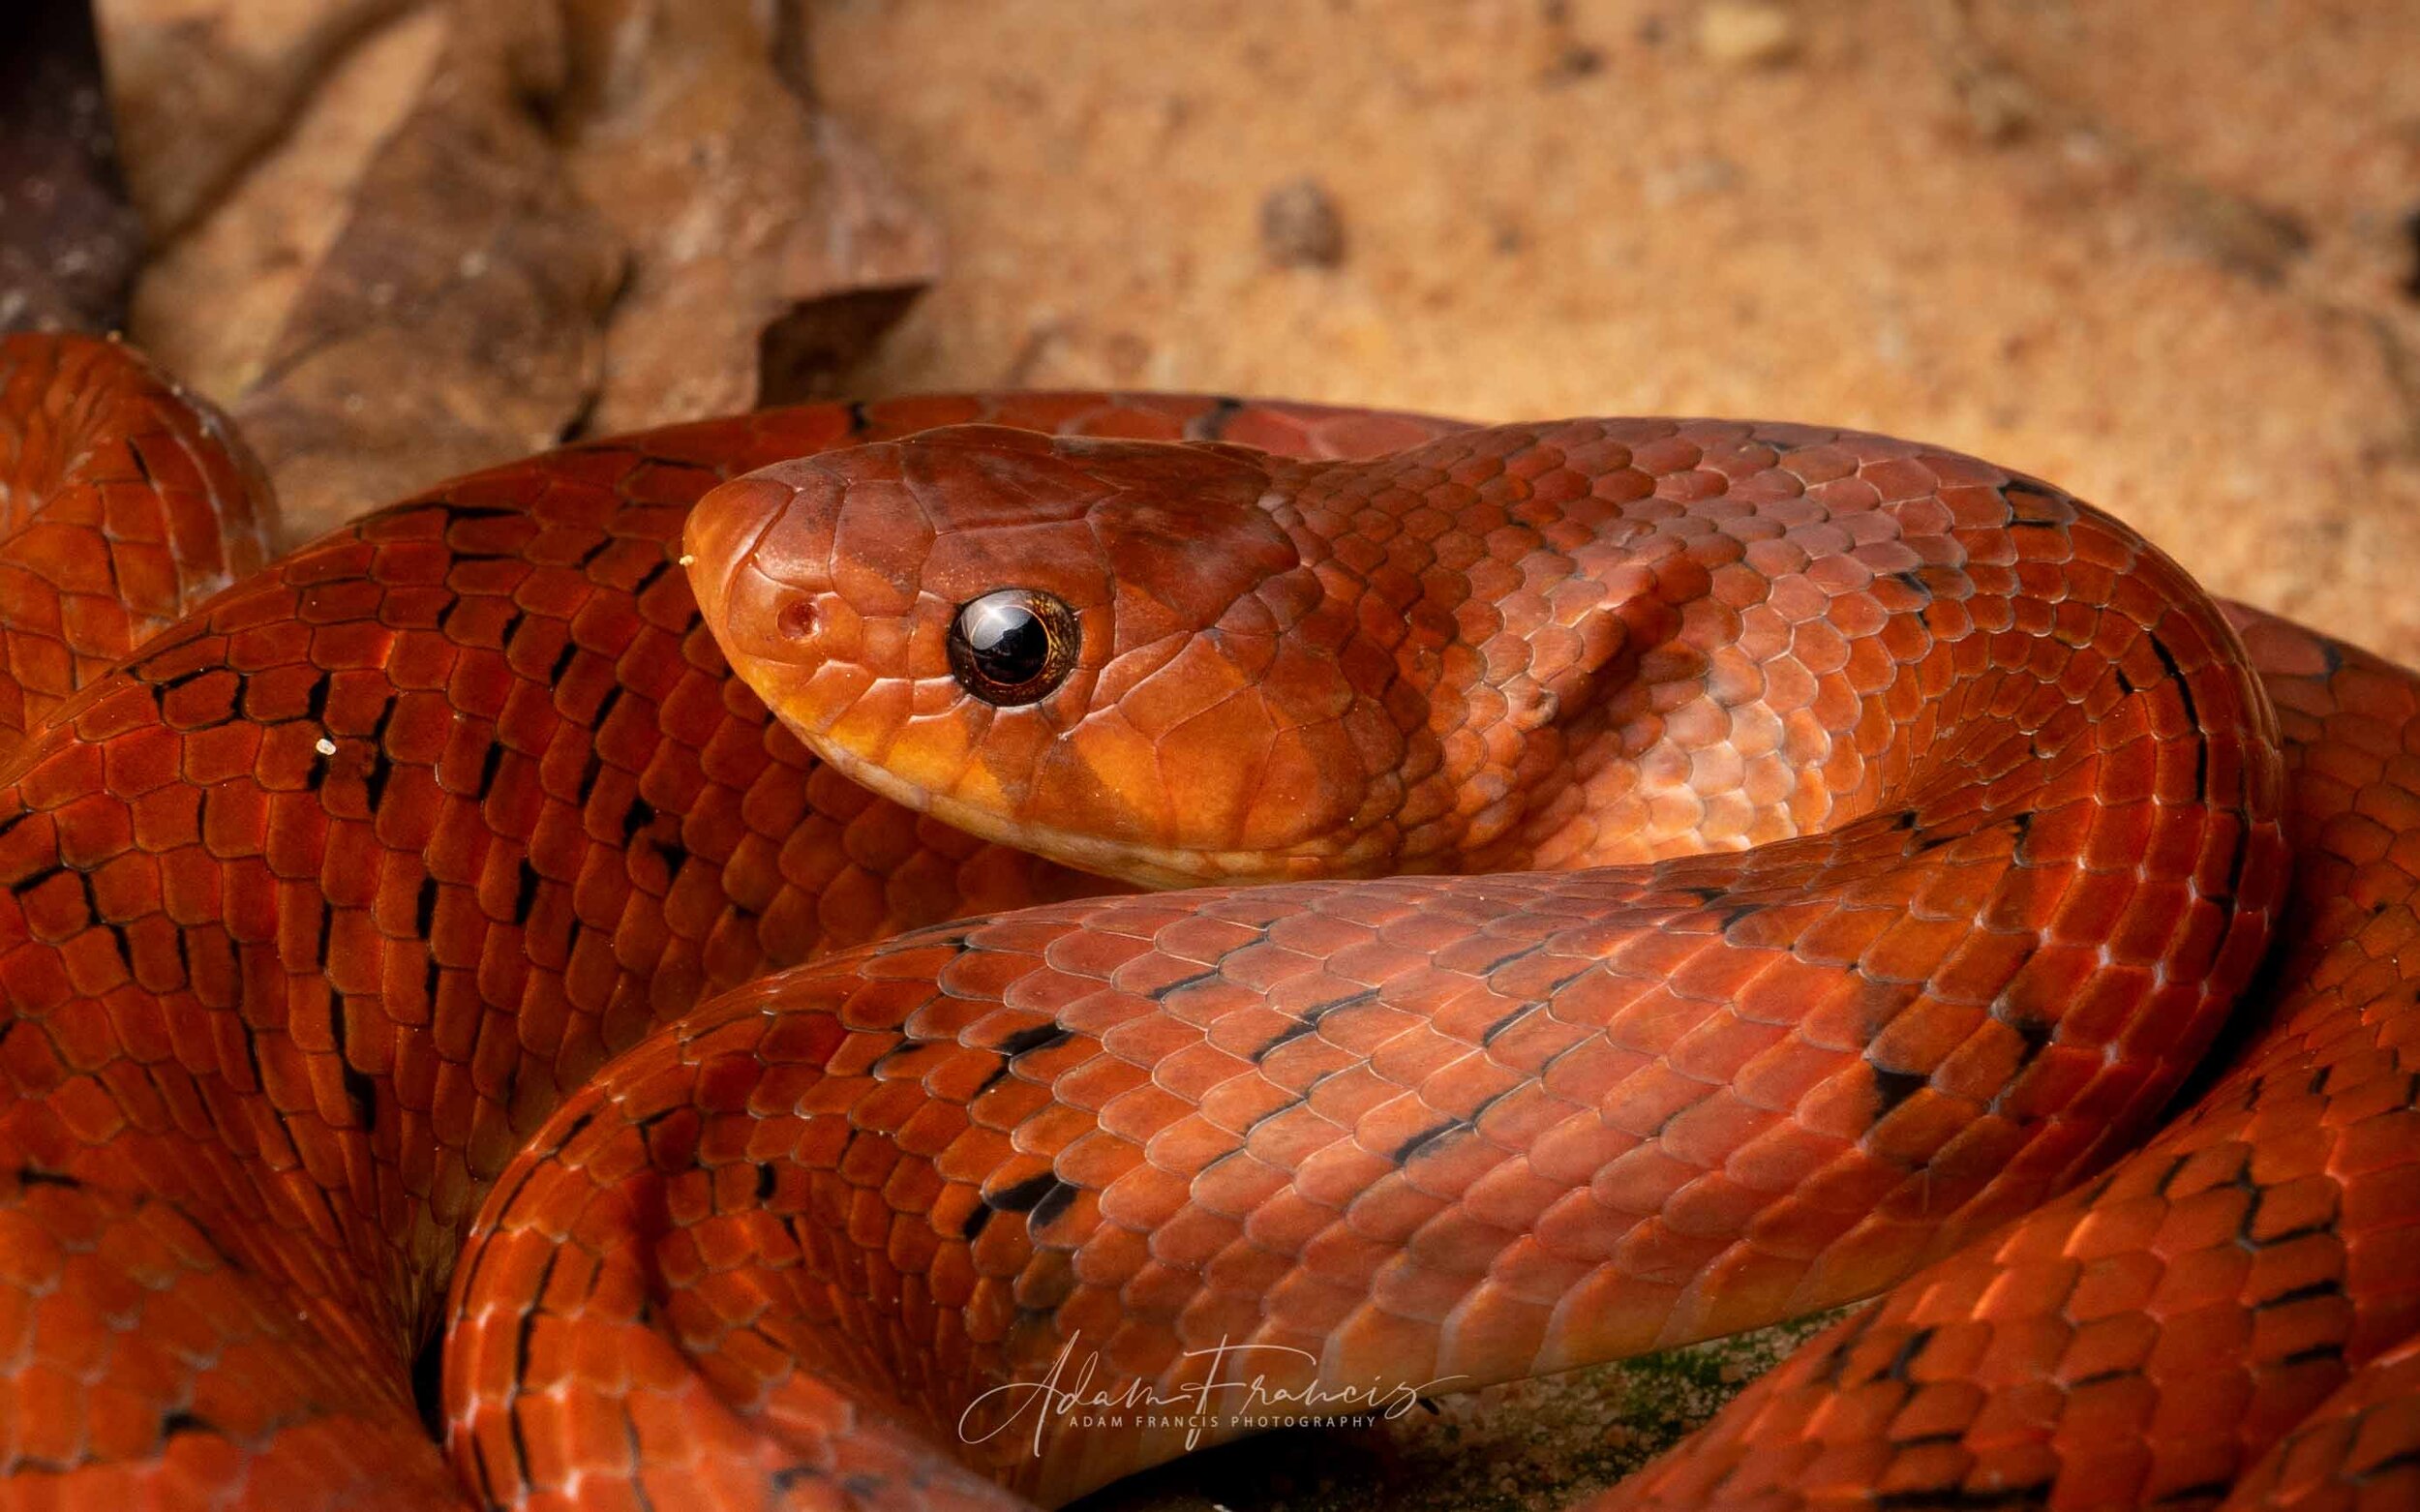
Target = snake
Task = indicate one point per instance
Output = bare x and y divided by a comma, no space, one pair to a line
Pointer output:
940,952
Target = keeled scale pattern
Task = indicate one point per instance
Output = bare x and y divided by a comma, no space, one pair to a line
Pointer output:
147,501
313,912
2358,1451
139,1342
1418,1129
2146,1341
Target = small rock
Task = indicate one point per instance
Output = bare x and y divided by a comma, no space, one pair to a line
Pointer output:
1688,179
1299,227
1999,107
1746,33
1575,60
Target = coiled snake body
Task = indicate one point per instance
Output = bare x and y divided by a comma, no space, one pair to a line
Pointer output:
1824,850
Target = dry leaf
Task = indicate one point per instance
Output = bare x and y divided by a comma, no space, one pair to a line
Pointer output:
212,302
762,238
427,273
456,320
201,86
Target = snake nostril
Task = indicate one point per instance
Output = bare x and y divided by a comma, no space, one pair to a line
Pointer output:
795,619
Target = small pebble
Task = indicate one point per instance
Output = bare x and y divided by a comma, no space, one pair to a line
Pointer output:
1575,60
1688,179
1299,227
1746,33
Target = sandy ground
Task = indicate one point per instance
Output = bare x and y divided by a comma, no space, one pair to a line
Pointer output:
2154,251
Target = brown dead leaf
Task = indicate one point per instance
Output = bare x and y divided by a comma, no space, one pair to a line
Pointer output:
213,301
455,322
879,252
426,274
769,250
201,86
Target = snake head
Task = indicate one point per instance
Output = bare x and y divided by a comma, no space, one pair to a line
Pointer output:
1077,646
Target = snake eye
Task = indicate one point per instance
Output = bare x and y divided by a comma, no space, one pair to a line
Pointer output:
1014,645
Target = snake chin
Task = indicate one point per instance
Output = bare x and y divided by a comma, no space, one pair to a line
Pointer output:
1157,868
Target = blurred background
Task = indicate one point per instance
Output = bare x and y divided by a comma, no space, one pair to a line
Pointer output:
2165,255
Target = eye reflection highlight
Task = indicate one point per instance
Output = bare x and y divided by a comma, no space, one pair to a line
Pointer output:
1013,646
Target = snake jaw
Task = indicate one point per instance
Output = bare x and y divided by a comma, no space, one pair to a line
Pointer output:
982,816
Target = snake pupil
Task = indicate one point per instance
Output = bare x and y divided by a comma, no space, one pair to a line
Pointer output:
1014,645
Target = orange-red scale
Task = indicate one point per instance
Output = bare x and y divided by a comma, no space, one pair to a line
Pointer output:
2225,1319
360,876
1609,1231
294,1007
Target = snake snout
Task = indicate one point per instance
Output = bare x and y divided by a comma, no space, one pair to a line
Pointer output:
759,596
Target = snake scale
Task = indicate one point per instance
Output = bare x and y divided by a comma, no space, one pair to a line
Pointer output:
1641,880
